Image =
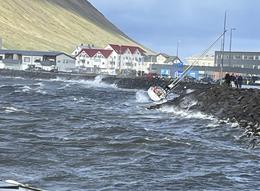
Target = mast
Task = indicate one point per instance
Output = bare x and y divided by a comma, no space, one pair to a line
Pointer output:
223,48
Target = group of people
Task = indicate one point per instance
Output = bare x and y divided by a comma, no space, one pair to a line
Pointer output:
233,80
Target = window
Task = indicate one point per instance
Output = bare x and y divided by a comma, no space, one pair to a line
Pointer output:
237,57
26,59
1,57
250,58
37,59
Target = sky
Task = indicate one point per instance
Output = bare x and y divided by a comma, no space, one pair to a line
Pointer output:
193,24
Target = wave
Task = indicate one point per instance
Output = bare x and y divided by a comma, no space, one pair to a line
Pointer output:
26,89
97,82
142,96
187,114
13,110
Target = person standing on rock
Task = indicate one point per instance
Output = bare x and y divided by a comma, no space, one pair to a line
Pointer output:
236,81
240,81
227,79
233,79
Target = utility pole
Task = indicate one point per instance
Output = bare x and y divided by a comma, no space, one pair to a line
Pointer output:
223,48
230,45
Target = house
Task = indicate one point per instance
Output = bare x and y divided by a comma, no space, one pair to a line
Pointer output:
96,61
148,61
161,58
166,65
113,59
128,59
24,59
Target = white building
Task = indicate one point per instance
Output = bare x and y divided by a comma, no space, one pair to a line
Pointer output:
161,58
128,59
113,59
206,60
22,60
96,61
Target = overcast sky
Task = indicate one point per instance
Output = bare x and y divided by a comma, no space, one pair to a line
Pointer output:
160,24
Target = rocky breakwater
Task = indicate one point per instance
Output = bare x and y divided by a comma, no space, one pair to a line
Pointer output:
135,82
234,105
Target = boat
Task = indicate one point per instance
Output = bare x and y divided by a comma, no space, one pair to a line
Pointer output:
12,185
157,93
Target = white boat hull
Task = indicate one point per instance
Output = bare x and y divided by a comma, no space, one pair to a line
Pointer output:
156,93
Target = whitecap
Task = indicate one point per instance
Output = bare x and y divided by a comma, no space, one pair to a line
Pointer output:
185,113
97,82
141,96
42,92
13,110
26,89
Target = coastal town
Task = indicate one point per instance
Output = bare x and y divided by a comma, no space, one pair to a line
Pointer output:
132,61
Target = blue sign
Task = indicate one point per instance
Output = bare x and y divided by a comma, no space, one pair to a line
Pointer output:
165,72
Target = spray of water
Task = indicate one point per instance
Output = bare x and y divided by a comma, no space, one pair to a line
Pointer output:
142,97
186,113
97,82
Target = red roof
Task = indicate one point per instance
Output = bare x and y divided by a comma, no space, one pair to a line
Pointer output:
122,49
116,48
92,52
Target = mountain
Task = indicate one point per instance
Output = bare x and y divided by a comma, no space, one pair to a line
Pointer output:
55,25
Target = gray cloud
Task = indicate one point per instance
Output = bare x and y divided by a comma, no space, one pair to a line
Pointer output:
159,24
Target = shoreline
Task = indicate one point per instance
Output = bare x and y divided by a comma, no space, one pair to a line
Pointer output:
241,106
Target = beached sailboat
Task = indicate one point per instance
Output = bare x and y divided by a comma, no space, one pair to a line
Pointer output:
157,93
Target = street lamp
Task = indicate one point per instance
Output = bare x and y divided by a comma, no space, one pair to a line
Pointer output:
230,45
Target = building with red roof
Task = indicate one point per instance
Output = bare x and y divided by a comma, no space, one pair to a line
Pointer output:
113,59
130,59
95,60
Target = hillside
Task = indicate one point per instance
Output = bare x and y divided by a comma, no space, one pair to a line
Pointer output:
55,25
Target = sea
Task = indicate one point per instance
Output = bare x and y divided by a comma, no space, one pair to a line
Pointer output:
77,135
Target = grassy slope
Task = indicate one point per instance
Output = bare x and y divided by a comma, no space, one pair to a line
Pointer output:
44,25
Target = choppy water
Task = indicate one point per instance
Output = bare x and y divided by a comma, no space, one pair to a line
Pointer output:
86,135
